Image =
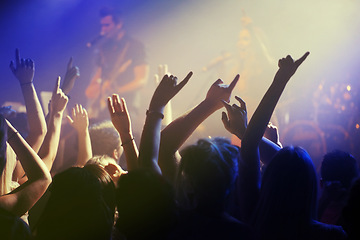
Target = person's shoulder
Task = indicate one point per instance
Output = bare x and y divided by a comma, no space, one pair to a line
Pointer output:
327,231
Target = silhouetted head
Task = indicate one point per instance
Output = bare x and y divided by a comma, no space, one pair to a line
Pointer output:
341,167
288,193
105,140
110,166
207,172
81,205
146,205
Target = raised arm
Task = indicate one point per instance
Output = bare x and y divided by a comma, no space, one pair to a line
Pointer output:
163,70
23,70
179,130
150,138
140,76
253,135
50,145
24,197
80,122
121,120
235,121
262,115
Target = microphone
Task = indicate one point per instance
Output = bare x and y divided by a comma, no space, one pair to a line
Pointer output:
94,41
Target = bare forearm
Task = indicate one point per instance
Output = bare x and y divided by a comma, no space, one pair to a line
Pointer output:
85,150
130,150
30,161
35,115
24,197
50,145
261,116
150,141
177,132
268,149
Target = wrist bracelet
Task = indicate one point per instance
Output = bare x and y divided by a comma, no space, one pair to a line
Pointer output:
28,83
127,142
156,113
12,135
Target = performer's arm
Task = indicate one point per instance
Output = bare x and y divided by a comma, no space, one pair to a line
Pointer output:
141,73
92,91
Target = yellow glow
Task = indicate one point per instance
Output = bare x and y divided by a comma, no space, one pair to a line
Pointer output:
348,87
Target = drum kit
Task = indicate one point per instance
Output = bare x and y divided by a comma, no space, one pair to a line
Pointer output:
334,123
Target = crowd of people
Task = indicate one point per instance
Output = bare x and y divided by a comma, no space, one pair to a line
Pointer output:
116,188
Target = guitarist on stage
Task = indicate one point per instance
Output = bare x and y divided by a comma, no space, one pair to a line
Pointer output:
121,67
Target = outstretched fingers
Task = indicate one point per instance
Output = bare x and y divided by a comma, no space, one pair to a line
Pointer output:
116,103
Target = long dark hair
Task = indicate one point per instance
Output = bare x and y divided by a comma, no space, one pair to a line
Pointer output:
288,195
81,205
210,168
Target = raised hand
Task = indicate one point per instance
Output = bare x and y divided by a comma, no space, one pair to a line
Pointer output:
287,67
72,73
220,91
119,114
58,100
166,90
23,69
80,122
272,134
121,120
235,121
79,119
